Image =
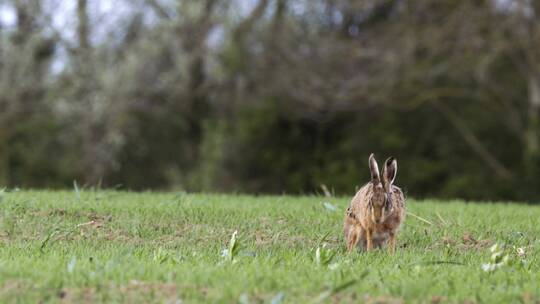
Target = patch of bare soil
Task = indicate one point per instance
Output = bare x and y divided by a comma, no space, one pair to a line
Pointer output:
167,292
383,300
467,242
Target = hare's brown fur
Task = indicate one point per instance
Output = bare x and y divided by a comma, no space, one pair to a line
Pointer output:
376,211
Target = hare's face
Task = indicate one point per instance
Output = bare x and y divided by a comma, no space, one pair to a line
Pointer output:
380,205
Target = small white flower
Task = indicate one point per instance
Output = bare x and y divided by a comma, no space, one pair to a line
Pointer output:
333,266
329,206
488,267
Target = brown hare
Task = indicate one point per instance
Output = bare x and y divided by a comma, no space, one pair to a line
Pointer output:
376,211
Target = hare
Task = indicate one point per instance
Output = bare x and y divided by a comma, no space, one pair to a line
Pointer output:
376,211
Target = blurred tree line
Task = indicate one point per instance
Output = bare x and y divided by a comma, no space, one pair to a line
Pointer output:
271,96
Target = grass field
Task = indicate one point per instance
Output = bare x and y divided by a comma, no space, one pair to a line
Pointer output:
85,246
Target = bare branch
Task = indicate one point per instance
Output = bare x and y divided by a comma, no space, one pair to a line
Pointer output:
472,140
247,24
159,9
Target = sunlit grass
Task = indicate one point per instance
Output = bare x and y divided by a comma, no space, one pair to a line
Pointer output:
85,246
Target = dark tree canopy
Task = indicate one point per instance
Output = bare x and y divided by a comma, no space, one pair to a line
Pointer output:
272,96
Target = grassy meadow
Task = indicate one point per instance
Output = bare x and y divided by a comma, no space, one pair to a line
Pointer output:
107,246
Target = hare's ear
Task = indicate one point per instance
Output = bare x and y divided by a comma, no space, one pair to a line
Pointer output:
389,171
374,169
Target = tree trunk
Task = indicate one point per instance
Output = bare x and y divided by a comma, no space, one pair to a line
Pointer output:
83,39
4,158
83,27
531,136
531,159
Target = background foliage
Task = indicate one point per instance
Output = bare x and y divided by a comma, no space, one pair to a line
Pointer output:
271,95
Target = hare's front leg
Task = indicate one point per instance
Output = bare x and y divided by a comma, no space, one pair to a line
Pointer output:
369,239
392,243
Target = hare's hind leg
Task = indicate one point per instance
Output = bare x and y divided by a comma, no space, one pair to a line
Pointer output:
379,243
353,237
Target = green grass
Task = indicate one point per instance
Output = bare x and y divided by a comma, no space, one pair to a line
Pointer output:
167,247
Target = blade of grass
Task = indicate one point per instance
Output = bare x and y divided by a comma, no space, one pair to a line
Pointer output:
420,218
